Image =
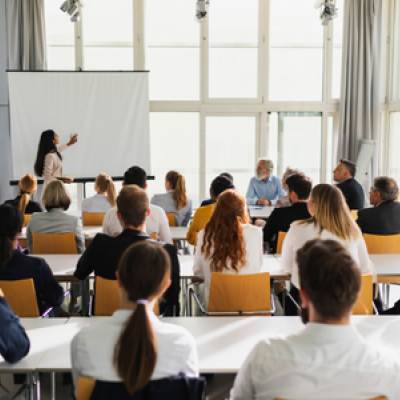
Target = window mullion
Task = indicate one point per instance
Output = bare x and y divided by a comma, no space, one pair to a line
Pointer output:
78,41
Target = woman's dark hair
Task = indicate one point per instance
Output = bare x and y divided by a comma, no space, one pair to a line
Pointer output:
11,221
144,270
46,145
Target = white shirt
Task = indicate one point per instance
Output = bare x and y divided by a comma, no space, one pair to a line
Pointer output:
92,349
53,165
323,362
96,204
253,238
156,222
298,235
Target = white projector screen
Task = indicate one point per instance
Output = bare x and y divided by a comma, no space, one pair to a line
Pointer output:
108,110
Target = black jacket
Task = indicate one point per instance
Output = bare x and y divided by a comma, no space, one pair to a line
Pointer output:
280,220
353,193
31,207
103,254
14,343
381,220
48,292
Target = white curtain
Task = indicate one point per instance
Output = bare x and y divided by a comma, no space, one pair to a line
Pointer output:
360,90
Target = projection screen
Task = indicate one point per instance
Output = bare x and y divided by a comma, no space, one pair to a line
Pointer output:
108,110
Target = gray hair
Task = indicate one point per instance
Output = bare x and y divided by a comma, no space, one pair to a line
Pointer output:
268,164
387,187
292,171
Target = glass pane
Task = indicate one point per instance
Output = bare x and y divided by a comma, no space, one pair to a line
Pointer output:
330,150
233,72
60,58
296,51
395,81
174,73
337,50
174,140
231,147
108,58
394,145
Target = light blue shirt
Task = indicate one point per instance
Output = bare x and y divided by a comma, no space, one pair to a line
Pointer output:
271,190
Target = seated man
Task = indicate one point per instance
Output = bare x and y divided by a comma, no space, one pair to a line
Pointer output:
203,214
103,253
156,222
353,192
264,189
328,359
299,189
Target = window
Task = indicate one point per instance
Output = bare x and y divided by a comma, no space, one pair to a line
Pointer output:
395,81
174,139
173,52
296,51
108,35
337,50
233,41
231,147
394,145
59,38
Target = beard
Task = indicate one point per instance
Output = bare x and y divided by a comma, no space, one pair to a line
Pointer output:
260,176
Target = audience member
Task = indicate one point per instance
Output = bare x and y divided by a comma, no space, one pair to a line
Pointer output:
105,198
211,200
203,214
330,219
353,192
175,200
14,343
228,243
56,200
27,186
329,358
264,189
104,252
134,346
285,201
299,188
14,265
156,222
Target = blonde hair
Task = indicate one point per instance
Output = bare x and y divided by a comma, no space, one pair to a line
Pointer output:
27,185
177,182
106,185
56,195
332,213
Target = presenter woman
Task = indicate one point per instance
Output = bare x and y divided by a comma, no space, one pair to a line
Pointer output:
49,161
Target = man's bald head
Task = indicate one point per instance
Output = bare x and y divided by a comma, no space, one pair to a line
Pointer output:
387,187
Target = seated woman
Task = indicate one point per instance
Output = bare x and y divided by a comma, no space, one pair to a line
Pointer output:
134,346
175,200
27,186
238,243
15,265
56,199
330,219
105,198
284,201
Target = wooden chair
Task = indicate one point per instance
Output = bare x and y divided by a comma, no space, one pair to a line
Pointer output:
279,243
375,398
95,219
21,297
59,243
365,302
153,235
27,218
85,388
382,244
238,295
171,219
354,214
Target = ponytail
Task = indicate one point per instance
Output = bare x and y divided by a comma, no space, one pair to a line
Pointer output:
27,185
10,225
144,270
106,185
177,182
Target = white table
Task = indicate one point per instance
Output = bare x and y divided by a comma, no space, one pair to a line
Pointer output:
387,267
179,232
260,212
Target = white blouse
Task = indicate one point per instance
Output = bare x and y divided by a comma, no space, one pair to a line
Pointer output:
53,165
96,204
254,258
298,235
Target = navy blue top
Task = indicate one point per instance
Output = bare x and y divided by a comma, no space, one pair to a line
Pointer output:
14,343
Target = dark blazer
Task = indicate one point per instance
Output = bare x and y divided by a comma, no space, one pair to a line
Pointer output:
353,193
103,254
280,220
381,220
14,343
31,207
48,292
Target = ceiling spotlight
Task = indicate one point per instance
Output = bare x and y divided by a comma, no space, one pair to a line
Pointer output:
201,10
328,10
71,7
76,17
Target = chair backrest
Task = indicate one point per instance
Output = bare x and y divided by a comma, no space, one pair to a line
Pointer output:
85,388
153,235
239,293
21,297
354,214
27,218
375,398
107,299
171,218
279,242
382,244
57,243
93,219
364,303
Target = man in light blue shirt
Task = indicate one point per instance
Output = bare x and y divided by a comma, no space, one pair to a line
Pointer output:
264,189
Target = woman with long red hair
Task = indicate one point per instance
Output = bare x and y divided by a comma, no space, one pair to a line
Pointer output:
228,243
